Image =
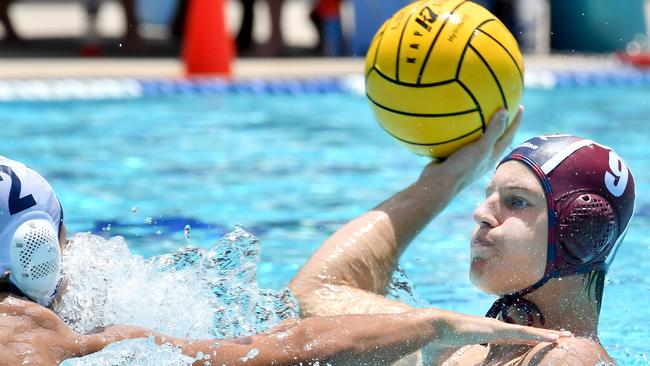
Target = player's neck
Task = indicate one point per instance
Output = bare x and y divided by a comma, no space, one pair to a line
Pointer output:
566,304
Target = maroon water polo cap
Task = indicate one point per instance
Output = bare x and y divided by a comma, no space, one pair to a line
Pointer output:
590,196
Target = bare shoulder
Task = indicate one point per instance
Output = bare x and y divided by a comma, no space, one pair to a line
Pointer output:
576,351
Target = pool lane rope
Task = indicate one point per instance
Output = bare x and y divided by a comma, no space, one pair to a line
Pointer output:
130,88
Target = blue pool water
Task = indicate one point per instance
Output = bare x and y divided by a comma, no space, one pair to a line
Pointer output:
291,169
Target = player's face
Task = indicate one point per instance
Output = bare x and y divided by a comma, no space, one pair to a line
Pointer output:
62,240
63,284
508,248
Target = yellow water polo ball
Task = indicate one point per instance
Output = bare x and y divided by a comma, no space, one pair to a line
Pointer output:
437,70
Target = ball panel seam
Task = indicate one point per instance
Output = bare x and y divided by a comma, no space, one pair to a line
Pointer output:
402,83
426,57
374,45
500,33
399,47
374,62
411,114
478,106
521,74
418,101
462,56
431,143
494,76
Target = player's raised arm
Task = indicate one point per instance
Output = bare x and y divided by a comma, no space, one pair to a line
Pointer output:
350,271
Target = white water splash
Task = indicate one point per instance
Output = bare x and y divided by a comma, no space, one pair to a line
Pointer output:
402,289
141,352
106,284
250,355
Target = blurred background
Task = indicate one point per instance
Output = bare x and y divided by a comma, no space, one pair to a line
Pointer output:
296,28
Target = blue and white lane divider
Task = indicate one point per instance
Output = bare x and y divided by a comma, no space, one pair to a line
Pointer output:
69,89
128,88
594,78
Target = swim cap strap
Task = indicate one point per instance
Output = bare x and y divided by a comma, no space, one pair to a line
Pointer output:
505,302
503,305
15,290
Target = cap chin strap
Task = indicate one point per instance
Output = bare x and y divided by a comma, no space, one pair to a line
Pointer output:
505,302
516,299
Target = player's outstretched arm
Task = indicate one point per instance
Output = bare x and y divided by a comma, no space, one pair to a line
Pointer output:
35,335
351,270
352,339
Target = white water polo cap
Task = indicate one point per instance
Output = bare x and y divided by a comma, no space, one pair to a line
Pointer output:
30,223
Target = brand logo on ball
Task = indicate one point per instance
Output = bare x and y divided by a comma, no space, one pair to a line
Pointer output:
426,17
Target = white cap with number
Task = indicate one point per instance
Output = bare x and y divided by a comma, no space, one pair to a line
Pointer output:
30,221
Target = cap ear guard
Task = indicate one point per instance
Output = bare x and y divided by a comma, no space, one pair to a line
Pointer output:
35,257
587,229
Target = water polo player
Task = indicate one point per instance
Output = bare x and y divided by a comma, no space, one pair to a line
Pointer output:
32,237
554,214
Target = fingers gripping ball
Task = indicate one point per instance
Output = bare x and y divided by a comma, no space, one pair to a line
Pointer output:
437,70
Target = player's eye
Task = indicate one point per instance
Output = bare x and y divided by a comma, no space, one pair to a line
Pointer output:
517,202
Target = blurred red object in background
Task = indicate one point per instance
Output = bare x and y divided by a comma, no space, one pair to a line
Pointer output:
207,47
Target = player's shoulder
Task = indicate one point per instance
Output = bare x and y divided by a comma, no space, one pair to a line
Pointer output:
577,351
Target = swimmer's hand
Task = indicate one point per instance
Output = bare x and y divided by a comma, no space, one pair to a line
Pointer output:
31,334
473,160
457,330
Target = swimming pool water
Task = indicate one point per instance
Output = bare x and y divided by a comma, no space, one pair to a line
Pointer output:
291,169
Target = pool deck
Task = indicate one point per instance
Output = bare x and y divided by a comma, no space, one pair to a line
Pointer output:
248,68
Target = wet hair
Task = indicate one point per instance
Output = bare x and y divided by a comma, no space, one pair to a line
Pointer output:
594,282
4,282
